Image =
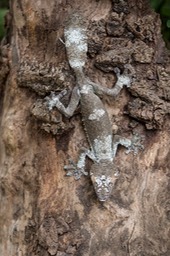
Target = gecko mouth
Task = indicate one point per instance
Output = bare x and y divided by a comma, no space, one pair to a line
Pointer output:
102,198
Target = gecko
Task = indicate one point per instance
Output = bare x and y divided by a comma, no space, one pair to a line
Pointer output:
97,125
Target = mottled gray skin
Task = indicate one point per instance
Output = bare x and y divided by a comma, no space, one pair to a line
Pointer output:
97,125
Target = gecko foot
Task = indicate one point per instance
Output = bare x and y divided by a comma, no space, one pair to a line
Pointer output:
129,70
53,99
126,77
73,170
136,144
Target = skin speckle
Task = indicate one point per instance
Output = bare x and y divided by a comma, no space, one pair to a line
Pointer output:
75,36
85,89
75,63
82,47
76,45
97,114
103,147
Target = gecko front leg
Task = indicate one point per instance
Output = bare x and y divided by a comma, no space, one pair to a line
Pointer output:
54,101
123,79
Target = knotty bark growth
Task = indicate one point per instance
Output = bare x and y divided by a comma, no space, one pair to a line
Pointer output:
43,212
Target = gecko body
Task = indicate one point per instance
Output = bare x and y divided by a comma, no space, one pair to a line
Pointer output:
103,145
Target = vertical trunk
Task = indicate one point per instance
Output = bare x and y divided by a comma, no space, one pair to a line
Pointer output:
43,212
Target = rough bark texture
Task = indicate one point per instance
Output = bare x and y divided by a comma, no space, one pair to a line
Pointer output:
43,212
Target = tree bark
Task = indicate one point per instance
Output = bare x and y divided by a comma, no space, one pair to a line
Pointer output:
42,211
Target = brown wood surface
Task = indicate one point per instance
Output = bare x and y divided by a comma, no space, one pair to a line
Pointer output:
42,212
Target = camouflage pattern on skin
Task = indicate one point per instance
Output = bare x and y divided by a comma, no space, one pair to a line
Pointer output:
96,121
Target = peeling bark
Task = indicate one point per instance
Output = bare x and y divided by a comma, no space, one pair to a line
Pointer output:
43,212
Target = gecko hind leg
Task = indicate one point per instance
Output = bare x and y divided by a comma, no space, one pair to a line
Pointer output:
73,170
132,145
119,140
136,144
77,170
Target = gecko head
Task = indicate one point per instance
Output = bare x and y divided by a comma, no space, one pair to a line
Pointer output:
103,176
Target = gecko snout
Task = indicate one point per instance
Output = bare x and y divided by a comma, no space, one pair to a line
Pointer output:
103,179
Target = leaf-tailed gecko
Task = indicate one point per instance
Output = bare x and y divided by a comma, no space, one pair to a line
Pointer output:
98,128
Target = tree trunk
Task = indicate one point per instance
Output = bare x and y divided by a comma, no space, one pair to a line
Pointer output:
42,211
